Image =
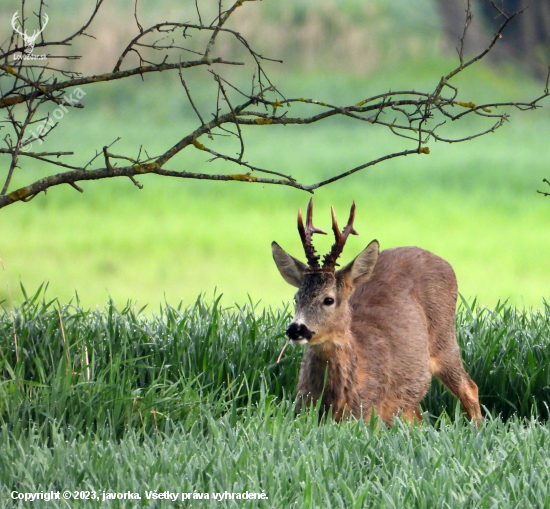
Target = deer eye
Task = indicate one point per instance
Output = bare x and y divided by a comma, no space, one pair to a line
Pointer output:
329,301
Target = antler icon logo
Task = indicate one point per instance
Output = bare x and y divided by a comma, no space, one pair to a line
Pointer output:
29,40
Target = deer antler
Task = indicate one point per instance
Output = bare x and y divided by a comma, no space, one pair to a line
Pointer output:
329,260
306,233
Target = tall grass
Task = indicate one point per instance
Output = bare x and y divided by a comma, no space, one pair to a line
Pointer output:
90,370
192,400
506,350
121,370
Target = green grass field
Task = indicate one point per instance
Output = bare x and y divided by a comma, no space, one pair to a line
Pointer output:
473,203
192,400
162,390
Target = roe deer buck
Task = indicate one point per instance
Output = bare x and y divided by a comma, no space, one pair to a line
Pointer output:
376,330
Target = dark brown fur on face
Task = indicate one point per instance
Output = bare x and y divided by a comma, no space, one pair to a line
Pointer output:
387,332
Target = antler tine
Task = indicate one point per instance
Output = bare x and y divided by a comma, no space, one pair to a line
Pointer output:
335,228
350,220
309,220
329,261
301,229
306,233
309,217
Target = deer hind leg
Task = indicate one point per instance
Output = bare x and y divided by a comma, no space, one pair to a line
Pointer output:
452,374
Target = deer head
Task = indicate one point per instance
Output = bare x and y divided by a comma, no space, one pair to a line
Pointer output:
29,40
322,311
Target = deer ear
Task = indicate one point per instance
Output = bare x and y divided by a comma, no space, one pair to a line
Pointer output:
290,268
360,269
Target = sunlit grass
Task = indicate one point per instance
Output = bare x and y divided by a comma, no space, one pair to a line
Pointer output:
475,203
75,359
193,400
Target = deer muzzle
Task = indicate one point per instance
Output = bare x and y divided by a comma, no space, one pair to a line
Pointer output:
299,333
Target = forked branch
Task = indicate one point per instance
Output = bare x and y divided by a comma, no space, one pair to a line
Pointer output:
29,90
542,192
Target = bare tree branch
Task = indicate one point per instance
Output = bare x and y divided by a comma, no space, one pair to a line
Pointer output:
542,192
467,23
30,87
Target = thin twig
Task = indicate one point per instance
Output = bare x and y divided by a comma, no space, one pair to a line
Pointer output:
284,348
542,192
189,97
467,23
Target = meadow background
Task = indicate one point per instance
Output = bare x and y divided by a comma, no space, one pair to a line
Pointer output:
100,394
474,203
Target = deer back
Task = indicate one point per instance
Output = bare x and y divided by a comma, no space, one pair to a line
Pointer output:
403,316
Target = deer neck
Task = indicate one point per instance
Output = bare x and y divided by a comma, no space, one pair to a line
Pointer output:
329,371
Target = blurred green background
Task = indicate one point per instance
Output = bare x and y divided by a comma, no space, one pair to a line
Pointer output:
474,203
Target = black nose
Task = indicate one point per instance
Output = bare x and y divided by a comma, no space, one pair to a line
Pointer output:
296,332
